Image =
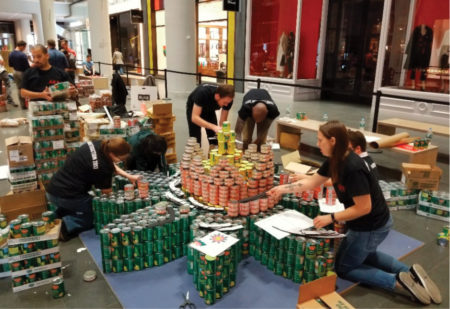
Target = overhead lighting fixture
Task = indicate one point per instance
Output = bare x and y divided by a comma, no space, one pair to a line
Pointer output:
75,24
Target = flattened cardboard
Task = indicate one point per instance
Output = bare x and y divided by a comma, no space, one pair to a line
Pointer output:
290,157
289,140
31,202
19,151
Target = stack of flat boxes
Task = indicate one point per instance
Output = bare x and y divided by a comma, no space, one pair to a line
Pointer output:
22,170
163,119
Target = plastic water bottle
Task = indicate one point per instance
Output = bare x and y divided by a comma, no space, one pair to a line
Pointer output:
362,124
288,111
429,135
325,117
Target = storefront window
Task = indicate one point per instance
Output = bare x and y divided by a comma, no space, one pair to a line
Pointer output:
161,40
7,40
212,40
272,44
417,57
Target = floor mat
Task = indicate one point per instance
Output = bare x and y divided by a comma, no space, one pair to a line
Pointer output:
256,286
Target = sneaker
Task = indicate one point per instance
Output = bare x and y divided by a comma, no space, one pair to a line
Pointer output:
408,282
419,273
63,234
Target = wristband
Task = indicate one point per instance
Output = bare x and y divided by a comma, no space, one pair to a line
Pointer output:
332,217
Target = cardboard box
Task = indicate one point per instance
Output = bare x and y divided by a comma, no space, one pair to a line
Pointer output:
161,109
100,83
33,203
292,163
322,289
19,151
421,176
289,140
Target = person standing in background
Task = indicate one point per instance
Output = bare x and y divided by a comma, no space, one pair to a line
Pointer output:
72,64
56,58
19,61
65,45
4,77
117,61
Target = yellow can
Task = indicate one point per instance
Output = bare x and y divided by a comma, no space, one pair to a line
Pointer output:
230,159
226,126
222,148
231,148
220,136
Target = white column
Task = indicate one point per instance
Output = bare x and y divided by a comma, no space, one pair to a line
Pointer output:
100,34
26,31
37,27
181,44
48,20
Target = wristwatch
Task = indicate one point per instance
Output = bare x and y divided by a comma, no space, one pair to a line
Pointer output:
332,217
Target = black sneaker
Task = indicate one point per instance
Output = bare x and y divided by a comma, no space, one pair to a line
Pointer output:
420,275
408,282
63,234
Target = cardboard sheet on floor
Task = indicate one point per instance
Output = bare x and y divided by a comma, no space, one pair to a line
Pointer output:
256,286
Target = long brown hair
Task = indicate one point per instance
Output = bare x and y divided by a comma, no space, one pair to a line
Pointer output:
117,146
336,129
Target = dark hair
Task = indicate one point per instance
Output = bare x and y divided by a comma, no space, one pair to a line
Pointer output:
337,130
21,43
117,146
51,43
225,91
154,147
41,47
356,138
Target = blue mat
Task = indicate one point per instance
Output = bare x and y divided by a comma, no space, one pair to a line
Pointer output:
256,286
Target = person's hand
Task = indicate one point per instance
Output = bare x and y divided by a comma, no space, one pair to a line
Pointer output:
321,221
216,128
46,94
134,178
277,192
296,177
72,90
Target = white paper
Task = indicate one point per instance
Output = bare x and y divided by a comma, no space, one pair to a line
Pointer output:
330,208
289,220
4,172
140,94
58,144
14,156
214,243
370,139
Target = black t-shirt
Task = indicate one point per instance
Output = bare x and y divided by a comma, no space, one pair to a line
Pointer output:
36,80
371,165
254,96
203,96
77,176
356,179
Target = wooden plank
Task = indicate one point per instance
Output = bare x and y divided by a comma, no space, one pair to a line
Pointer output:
414,125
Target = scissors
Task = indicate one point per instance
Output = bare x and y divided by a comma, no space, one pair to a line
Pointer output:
187,303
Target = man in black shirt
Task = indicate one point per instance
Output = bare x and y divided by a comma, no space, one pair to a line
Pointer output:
19,61
358,144
257,107
201,109
36,80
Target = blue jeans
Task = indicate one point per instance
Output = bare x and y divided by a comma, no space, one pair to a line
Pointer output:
358,259
75,212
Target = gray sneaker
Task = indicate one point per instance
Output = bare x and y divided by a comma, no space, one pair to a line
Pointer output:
408,282
420,274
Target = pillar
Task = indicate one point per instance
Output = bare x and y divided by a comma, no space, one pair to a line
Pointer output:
100,35
181,44
37,28
26,31
48,20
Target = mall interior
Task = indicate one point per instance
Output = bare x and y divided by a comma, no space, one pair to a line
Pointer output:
379,67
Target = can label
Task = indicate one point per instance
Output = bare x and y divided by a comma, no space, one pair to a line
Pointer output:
58,290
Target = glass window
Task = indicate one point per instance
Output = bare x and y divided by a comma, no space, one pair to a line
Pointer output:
211,10
417,53
160,22
272,42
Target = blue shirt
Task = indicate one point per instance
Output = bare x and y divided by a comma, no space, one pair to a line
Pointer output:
57,59
19,61
88,65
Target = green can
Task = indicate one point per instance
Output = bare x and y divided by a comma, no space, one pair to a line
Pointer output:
308,277
320,246
127,252
326,245
301,245
298,276
210,283
127,264
148,248
320,266
136,234
138,263
129,207
13,250
125,236
159,245
115,237
24,218
159,259
58,290
148,261
147,233
310,250
18,281
45,274
210,297
138,250
117,266
107,265
16,266
279,268
299,261
14,226
158,232
116,253
329,256
105,237
3,222
309,265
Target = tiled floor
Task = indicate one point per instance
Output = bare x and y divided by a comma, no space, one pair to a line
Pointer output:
97,294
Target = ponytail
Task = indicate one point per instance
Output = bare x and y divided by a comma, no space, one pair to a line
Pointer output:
337,130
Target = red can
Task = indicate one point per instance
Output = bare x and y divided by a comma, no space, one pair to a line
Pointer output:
284,178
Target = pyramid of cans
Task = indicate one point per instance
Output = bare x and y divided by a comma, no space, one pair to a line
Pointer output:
293,257
145,238
36,260
228,175
48,137
125,199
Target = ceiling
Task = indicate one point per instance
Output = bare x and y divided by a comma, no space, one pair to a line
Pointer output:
14,16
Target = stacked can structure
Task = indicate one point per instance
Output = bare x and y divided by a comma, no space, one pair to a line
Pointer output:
434,204
23,178
44,256
296,258
398,196
228,175
145,239
47,126
4,264
307,204
125,199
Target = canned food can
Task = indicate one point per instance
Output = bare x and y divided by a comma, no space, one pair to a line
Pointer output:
107,265
117,266
310,249
58,290
148,261
18,281
127,264
125,236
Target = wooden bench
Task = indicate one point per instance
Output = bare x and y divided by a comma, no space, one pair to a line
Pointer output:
291,125
388,126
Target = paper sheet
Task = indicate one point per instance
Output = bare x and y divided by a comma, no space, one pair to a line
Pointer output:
214,243
330,208
289,220
4,172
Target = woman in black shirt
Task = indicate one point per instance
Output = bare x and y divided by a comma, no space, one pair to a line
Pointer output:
366,215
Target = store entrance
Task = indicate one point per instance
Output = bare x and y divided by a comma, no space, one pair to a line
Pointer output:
353,33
